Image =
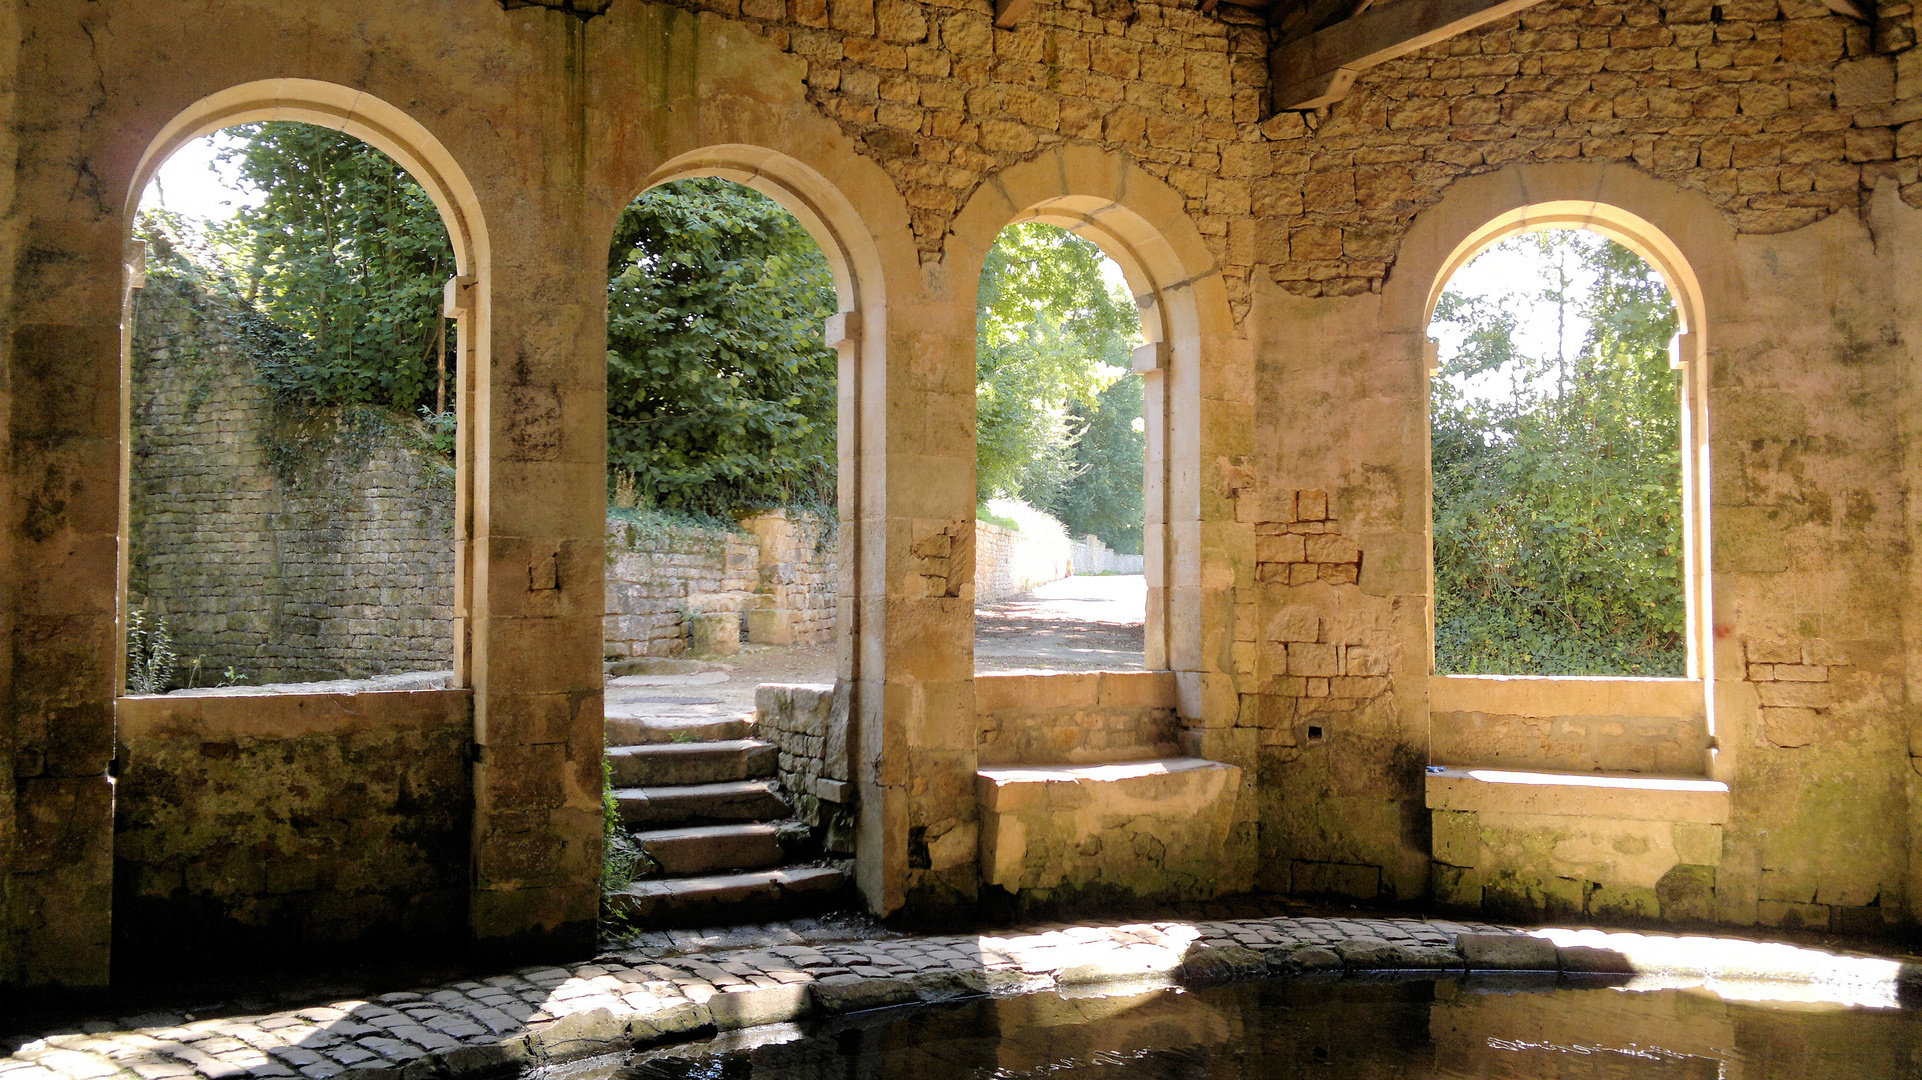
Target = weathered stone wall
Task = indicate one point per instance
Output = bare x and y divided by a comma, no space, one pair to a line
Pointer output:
257,829
1009,562
809,723
288,548
782,564
1750,131
1076,718
1089,555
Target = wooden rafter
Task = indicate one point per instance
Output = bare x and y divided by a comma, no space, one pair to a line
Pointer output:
1319,68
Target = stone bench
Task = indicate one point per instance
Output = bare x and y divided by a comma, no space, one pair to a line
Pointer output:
1546,845
1153,830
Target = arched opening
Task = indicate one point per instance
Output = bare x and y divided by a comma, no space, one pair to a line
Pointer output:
290,509
1555,446
1595,601
1060,458
735,358
1167,360
351,151
364,306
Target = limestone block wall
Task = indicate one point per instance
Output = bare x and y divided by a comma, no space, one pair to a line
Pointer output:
1009,562
290,548
1088,555
809,723
1774,141
784,561
1076,718
260,829
799,563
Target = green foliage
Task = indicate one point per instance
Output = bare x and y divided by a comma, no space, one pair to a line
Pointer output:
621,857
1053,419
982,513
151,659
1104,498
721,394
1558,505
348,255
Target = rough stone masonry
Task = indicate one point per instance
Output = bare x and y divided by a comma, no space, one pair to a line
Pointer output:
1763,153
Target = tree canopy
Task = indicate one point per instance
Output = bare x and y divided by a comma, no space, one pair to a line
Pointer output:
1557,499
720,390
347,252
1054,413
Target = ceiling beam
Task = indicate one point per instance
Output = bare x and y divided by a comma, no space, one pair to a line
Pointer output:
1862,11
1320,69
1009,12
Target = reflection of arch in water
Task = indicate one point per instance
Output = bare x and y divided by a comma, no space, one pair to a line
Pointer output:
415,149
1142,225
1678,233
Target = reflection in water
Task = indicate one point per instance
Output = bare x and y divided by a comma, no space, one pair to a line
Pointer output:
1364,1031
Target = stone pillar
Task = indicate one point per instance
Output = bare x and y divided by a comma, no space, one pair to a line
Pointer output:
63,418
535,557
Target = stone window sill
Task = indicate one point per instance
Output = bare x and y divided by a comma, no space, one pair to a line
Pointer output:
1589,795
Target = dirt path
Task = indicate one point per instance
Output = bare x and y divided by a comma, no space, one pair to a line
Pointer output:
1090,622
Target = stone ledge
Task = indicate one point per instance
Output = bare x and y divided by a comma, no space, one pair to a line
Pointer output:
1586,795
1045,827
283,715
1586,695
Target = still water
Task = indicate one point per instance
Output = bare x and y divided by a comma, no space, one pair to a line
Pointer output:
1264,1030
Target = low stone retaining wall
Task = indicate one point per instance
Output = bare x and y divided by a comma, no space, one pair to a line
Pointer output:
260,826
778,575
1009,562
1088,555
1075,718
809,724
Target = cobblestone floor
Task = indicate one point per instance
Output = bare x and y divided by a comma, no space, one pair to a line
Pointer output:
679,984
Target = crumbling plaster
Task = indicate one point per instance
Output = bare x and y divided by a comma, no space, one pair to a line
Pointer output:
1283,264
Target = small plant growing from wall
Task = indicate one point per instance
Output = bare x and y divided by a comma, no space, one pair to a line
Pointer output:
151,659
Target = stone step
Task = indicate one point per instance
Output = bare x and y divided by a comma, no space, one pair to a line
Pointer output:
723,898
703,849
735,800
638,729
661,764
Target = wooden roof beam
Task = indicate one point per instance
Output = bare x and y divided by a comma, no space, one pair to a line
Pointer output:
1320,69
1009,12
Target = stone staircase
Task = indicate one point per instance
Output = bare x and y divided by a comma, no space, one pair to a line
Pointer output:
697,793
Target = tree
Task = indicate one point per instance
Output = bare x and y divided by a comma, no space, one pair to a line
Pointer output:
1558,505
347,252
721,393
1053,338
1104,495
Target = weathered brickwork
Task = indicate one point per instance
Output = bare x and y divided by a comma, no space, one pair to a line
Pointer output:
287,548
1782,111
1792,684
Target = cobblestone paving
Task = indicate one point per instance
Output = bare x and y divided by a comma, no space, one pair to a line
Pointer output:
680,983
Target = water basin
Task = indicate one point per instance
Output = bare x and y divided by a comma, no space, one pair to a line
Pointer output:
1336,1030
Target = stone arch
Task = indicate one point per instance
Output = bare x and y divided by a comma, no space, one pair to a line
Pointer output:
1142,224
415,149
1679,233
